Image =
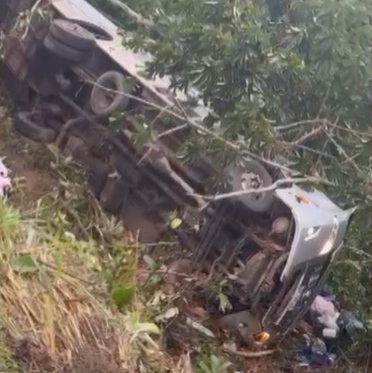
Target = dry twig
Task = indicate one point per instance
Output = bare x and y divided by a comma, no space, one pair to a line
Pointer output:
302,123
310,134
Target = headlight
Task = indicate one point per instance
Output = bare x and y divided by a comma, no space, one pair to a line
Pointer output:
328,246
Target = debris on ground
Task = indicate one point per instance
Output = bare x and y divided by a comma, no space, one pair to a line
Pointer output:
332,330
315,354
5,183
200,328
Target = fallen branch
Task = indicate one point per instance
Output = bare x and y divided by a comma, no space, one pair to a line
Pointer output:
269,188
249,354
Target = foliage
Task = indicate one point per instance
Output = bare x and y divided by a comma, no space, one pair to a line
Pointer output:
288,79
212,364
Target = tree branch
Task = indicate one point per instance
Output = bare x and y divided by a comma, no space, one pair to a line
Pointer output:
308,135
302,123
343,152
269,188
171,131
199,127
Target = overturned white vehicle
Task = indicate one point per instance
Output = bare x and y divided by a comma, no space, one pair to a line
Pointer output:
69,74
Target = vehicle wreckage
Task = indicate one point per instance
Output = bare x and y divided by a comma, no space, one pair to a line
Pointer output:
68,73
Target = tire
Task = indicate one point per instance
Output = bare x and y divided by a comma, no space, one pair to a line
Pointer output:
257,203
72,35
27,128
64,51
98,32
115,82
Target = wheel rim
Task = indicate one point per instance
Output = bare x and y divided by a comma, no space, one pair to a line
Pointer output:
250,180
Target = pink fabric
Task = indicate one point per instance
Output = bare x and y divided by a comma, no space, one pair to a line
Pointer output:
323,306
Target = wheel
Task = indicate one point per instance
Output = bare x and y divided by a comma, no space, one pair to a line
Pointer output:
107,98
64,51
72,35
252,175
24,125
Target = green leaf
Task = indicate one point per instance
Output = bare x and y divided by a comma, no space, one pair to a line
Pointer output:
136,327
176,223
122,296
147,327
24,264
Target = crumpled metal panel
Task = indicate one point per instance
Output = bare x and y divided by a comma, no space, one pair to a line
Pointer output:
318,222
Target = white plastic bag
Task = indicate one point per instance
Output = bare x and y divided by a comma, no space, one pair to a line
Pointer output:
5,183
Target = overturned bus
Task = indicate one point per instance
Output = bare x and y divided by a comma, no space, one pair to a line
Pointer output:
67,74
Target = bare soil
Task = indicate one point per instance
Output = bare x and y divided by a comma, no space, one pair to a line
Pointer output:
30,171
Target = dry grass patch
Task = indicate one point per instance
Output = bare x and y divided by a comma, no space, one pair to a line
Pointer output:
51,308
54,306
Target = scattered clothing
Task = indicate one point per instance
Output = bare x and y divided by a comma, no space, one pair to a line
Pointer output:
333,329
